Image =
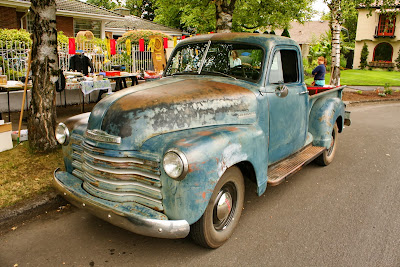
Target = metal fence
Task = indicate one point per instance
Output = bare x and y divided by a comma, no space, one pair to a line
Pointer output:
14,58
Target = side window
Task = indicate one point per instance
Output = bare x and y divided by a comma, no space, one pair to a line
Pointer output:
284,68
275,73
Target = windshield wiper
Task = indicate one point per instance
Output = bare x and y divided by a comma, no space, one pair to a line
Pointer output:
221,73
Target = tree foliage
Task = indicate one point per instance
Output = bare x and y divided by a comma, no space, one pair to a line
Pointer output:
248,15
141,8
105,3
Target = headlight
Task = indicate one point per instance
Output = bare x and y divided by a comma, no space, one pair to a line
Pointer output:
175,164
62,134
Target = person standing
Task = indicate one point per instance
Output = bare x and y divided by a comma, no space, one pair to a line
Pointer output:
319,72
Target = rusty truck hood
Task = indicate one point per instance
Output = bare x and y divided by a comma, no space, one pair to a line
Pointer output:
159,107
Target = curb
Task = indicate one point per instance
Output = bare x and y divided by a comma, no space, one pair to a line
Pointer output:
27,209
353,103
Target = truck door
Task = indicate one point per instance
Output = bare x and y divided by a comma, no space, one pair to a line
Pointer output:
288,104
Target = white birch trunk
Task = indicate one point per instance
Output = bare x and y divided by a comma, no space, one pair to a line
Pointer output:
335,30
42,110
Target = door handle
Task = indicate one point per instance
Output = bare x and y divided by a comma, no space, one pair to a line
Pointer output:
303,93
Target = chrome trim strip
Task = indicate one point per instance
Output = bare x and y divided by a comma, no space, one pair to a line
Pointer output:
102,136
123,196
120,183
77,165
115,159
122,171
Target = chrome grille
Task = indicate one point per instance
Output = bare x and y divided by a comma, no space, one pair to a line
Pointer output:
122,177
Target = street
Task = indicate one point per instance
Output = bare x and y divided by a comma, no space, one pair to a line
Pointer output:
345,214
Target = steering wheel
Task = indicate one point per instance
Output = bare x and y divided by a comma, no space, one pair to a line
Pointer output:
244,70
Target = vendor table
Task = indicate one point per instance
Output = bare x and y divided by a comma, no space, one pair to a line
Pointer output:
89,86
121,80
10,86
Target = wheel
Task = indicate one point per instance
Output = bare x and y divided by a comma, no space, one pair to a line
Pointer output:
222,214
327,157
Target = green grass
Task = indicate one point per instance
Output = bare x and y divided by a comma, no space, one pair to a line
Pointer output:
365,78
24,175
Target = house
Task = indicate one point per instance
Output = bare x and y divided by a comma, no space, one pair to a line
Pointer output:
307,33
378,31
72,16
115,29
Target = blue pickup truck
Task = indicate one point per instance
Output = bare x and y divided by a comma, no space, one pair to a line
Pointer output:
169,158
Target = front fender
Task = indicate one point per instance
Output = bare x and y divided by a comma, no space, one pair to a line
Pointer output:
210,152
323,116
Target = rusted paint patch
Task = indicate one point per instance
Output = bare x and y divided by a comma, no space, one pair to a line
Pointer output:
204,195
205,133
180,92
231,128
327,118
184,143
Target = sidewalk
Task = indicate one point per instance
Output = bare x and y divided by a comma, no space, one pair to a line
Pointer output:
369,88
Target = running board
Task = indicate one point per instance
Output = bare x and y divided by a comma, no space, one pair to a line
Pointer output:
278,172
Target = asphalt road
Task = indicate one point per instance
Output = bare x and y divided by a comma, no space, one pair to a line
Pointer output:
346,214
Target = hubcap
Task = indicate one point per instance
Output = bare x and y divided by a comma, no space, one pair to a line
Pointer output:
224,206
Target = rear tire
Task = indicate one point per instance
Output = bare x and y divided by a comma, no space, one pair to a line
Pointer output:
327,157
223,211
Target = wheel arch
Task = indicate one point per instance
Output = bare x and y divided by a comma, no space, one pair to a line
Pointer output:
325,113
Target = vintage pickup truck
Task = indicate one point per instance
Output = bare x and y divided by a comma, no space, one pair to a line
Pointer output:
170,157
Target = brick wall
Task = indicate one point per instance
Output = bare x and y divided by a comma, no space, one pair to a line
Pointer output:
66,24
8,18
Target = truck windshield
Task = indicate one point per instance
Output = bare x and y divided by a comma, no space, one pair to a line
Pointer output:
240,61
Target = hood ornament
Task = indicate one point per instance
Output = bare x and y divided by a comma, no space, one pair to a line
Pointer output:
102,136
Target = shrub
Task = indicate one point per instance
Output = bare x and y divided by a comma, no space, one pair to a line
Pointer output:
364,56
359,92
397,60
15,35
387,90
135,35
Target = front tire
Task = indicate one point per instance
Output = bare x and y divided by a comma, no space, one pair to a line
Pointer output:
222,214
327,157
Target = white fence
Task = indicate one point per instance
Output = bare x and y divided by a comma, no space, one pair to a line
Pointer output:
14,58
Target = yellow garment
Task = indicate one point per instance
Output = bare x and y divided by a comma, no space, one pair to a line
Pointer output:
128,46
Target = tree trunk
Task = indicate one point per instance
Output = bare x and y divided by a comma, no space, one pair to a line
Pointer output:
224,14
42,110
335,30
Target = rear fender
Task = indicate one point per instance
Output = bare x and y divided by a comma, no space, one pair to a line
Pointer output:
323,116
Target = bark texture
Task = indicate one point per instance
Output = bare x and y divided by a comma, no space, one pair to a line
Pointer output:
42,110
335,24
224,14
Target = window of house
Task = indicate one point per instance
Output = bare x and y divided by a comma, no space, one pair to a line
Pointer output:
87,25
383,52
284,67
386,25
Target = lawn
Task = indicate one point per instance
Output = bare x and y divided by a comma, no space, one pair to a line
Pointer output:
24,175
366,78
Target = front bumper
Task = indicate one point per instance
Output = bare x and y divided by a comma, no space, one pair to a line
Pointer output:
130,216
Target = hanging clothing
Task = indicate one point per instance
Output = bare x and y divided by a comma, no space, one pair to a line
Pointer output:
80,63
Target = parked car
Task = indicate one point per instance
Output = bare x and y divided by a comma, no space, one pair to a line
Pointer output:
170,157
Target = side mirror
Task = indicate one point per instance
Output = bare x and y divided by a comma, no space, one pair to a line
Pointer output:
281,90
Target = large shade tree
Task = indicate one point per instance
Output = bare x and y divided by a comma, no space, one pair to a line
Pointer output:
230,15
42,110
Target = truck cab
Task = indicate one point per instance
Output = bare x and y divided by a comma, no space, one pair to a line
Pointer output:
169,158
